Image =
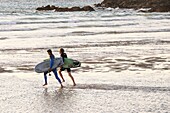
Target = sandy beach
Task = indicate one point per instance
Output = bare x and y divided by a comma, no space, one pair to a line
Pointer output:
127,92
124,54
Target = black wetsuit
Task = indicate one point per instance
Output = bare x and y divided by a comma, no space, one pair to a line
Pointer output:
64,55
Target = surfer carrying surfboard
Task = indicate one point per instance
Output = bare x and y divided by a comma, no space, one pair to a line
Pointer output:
52,58
64,55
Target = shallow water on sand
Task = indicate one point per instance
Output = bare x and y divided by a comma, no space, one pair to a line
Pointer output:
124,54
101,39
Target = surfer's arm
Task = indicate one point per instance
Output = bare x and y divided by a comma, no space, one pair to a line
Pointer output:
51,63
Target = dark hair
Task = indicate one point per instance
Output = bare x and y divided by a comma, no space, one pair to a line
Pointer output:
62,50
49,51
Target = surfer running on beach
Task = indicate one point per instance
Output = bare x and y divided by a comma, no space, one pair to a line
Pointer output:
64,55
52,58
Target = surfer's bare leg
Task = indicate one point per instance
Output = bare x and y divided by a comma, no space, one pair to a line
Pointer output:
61,75
69,74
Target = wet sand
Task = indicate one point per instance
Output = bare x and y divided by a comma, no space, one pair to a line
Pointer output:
124,79
124,54
101,92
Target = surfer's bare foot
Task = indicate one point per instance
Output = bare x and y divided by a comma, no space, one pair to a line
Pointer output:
62,86
74,84
63,80
44,84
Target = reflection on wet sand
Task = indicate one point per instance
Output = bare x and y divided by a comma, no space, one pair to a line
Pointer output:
120,87
59,100
2,70
118,65
26,67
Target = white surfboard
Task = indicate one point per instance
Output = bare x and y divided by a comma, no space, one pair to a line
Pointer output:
44,66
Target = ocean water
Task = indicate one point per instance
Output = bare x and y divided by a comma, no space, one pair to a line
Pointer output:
99,36
124,54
